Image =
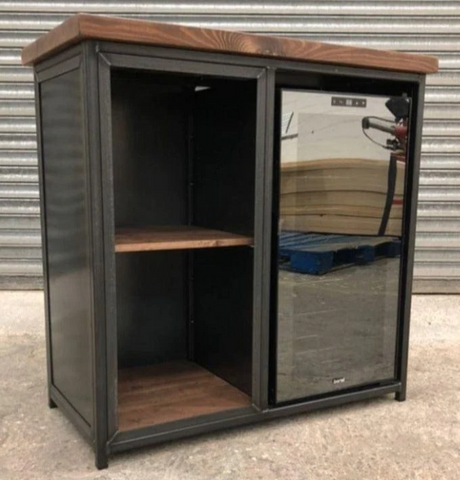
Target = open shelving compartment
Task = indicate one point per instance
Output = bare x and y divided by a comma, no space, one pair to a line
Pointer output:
183,153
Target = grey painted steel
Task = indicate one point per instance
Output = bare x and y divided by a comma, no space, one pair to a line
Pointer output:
224,347
68,237
415,26
105,62
260,340
44,248
103,97
149,117
56,399
101,370
223,113
408,239
266,228
98,165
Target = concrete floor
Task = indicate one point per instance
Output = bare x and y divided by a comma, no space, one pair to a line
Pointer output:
379,439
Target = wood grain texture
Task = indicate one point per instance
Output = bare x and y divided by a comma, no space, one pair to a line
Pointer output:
85,27
345,210
163,393
175,238
332,163
340,224
65,34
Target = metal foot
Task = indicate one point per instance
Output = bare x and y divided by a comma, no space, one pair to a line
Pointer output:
51,403
102,460
400,396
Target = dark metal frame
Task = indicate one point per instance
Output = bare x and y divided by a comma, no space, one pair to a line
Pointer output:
66,62
388,88
408,244
106,62
97,59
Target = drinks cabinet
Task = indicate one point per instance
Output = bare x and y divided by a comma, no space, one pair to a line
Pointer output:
228,225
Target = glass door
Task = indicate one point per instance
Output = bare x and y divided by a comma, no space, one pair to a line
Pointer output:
342,162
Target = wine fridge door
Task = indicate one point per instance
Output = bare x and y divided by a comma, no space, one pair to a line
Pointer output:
339,189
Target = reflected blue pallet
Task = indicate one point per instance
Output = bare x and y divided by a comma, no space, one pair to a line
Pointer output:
317,254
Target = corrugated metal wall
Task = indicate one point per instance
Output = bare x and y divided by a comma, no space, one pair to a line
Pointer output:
414,26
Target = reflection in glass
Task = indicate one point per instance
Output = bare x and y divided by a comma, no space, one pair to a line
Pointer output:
340,225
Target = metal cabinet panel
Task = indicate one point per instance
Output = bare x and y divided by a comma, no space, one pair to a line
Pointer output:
68,239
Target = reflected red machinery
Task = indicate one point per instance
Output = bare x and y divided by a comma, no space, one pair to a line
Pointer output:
399,107
398,128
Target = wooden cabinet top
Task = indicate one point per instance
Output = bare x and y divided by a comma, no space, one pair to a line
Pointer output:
94,27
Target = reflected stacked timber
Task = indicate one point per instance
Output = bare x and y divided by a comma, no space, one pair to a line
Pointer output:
344,196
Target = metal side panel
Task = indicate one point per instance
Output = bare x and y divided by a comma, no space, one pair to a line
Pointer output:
66,240
421,26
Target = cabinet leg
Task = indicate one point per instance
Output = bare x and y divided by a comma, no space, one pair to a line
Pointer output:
51,403
400,396
102,460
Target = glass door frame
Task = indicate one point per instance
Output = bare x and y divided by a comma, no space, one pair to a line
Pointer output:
347,84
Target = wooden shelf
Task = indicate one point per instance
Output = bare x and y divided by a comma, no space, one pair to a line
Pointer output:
166,392
175,238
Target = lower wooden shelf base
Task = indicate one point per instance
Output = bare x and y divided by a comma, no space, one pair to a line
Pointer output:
166,392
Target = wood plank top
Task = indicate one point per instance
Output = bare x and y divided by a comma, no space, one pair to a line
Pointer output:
175,238
334,163
94,27
162,393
